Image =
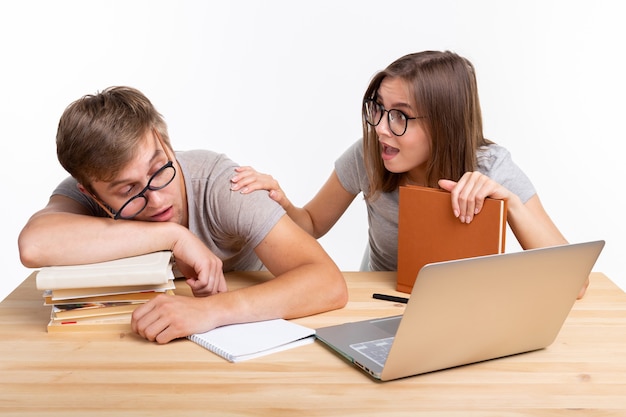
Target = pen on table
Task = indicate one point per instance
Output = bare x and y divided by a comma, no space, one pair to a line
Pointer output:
390,298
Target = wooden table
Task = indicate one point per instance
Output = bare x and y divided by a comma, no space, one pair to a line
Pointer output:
583,373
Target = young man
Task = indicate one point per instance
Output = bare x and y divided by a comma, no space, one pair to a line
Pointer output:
128,194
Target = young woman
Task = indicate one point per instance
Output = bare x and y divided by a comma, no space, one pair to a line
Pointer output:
422,125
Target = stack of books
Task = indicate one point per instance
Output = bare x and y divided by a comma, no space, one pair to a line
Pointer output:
102,296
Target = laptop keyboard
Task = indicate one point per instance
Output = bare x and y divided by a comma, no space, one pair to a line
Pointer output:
376,350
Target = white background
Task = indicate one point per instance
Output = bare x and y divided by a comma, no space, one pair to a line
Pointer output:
278,85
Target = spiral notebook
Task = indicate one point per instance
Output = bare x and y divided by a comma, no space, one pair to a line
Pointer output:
240,342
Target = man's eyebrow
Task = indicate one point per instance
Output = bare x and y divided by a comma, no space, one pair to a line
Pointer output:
118,182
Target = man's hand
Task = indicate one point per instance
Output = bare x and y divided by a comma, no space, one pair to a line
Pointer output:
201,267
168,317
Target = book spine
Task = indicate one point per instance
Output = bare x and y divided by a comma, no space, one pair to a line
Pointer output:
46,282
149,269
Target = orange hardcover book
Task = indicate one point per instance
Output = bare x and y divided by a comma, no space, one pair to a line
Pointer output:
428,232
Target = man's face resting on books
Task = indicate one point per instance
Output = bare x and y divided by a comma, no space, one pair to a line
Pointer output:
165,204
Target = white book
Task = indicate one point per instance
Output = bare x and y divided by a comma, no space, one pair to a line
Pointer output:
240,342
59,296
149,269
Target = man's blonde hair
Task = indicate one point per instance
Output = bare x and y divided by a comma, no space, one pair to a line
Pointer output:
98,134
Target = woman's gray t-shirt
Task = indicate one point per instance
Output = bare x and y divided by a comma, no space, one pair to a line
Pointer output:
494,161
229,223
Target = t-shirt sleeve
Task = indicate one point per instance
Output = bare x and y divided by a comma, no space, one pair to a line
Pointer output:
496,162
350,169
69,188
245,217
235,220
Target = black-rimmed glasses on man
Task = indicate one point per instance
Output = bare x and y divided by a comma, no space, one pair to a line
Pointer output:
159,180
397,120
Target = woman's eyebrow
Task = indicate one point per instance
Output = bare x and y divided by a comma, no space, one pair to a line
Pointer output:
401,106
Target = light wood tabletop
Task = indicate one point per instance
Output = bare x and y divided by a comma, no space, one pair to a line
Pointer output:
583,373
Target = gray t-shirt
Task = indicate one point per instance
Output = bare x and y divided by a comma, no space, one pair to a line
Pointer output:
229,223
382,214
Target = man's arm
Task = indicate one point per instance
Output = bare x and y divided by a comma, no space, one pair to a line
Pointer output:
65,233
306,282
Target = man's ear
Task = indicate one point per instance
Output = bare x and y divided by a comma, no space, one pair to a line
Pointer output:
83,190
86,192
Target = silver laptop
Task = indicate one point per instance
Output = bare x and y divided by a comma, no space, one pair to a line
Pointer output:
470,310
